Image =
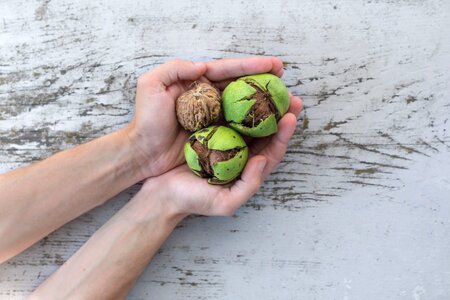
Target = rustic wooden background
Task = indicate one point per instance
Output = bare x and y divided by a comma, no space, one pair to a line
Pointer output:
359,209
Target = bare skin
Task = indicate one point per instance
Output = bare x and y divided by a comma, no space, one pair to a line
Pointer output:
74,181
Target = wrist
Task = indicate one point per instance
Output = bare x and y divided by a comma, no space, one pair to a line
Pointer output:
152,203
138,153
137,157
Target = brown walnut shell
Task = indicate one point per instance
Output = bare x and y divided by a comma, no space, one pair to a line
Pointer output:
198,107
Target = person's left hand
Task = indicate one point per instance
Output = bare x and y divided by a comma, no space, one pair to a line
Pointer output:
154,132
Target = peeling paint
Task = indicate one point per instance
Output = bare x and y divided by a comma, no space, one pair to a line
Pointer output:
374,112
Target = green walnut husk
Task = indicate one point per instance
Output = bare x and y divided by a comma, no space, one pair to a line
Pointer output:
218,153
254,104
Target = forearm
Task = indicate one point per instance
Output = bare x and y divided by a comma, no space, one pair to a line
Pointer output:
37,199
107,266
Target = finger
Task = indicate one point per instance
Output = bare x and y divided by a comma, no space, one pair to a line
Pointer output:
242,190
275,150
175,71
296,105
221,85
286,125
295,108
219,70
275,147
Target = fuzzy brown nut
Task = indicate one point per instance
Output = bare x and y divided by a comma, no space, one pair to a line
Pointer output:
198,107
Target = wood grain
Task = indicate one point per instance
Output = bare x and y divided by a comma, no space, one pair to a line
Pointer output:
359,207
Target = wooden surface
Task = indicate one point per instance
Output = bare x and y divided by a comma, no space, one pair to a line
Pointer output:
359,209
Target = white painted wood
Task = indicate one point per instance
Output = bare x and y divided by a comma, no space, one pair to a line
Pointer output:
359,209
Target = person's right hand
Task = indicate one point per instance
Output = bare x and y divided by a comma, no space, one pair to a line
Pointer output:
181,192
154,132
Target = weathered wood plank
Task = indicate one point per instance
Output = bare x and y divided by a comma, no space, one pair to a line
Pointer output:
360,202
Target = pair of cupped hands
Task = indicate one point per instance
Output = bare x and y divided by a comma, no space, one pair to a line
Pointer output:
158,139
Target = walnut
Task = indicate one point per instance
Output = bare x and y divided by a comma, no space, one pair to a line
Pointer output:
254,104
198,107
217,152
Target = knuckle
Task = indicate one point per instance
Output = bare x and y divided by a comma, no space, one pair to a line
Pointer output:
150,83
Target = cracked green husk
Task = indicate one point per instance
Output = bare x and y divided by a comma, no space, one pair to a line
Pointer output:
238,99
218,138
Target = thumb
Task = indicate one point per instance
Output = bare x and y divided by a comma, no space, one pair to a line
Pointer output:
178,70
243,189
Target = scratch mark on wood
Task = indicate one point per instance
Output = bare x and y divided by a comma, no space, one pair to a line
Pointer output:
366,171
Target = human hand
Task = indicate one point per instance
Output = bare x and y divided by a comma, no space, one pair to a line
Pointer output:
157,137
183,193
